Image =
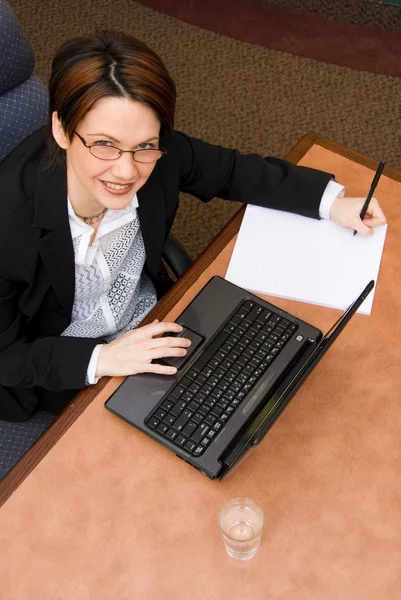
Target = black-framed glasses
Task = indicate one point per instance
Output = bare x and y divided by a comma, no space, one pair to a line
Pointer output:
104,152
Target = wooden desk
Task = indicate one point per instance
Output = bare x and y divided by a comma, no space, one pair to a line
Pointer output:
109,514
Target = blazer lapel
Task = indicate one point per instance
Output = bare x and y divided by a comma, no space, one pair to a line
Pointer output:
151,212
55,243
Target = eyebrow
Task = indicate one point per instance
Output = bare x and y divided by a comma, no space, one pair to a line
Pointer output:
155,137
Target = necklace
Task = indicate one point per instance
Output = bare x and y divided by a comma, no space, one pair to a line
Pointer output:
95,220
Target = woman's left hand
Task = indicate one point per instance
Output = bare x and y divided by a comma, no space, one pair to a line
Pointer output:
346,211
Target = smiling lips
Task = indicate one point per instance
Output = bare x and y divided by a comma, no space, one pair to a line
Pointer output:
116,188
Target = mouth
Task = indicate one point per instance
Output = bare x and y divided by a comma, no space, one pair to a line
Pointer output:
116,189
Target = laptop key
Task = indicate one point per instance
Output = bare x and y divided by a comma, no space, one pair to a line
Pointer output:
189,429
180,440
201,379
177,392
193,406
207,371
226,364
213,381
230,376
192,373
160,413
198,450
190,446
247,305
197,418
199,397
178,408
206,389
200,432
206,441
187,396
274,319
216,411
169,419
162,428
182,420
254,313
230,327
153,423
210,419
171,434
204,409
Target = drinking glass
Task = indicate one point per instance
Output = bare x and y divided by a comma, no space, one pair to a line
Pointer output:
241,524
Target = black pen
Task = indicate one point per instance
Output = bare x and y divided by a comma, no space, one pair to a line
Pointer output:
372,189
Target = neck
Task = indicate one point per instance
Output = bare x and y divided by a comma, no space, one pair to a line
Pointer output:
88,217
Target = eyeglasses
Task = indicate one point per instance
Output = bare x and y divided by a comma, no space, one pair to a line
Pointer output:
104,152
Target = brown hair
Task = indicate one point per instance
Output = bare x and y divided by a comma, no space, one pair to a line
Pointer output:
109,64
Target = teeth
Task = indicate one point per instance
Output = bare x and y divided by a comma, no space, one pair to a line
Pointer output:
114,186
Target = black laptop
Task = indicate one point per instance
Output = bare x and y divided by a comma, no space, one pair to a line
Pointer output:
247,359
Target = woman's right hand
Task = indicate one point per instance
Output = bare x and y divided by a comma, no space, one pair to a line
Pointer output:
134,351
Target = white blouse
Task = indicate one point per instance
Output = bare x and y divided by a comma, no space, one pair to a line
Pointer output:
112,293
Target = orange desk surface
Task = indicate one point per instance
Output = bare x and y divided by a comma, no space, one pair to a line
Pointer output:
110,514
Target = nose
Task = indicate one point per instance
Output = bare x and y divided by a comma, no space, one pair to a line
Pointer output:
125,167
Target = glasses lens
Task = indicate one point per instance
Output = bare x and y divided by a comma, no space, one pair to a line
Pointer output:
147,156
105,152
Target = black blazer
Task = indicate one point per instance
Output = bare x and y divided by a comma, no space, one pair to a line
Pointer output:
36,251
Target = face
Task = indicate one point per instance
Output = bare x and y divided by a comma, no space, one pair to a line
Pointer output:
95,184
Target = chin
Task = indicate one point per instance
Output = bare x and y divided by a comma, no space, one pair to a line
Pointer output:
116,202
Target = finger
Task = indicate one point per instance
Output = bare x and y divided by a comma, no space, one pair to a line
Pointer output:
374,221
363,229
154,329
163,352
177,342
159,369
375,211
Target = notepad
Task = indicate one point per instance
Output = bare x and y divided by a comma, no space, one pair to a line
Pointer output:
308,260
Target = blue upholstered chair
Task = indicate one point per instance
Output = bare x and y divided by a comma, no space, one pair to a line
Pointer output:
23,109
23,97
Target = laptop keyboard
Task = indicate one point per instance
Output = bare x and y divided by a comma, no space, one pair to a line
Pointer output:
200,405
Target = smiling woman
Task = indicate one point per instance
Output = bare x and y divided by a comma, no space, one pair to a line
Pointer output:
90,201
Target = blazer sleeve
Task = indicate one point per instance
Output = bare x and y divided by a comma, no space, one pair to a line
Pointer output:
55,363
208,171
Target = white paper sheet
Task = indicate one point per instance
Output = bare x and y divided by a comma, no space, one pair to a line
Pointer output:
303,259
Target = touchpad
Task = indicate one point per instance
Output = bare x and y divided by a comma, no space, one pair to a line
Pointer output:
196,339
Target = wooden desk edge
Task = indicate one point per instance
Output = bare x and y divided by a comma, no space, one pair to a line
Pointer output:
49,438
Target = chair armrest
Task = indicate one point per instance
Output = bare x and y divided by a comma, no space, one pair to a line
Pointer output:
176,257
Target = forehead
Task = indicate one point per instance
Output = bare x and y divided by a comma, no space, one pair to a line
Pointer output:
122,118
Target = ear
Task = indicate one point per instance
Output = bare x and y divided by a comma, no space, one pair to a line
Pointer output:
59,133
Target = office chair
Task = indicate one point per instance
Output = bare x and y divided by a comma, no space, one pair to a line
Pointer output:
23,110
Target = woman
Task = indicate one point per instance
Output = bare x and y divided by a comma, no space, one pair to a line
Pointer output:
87,207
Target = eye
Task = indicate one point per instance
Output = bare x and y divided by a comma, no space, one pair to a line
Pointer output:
102,143
148,146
